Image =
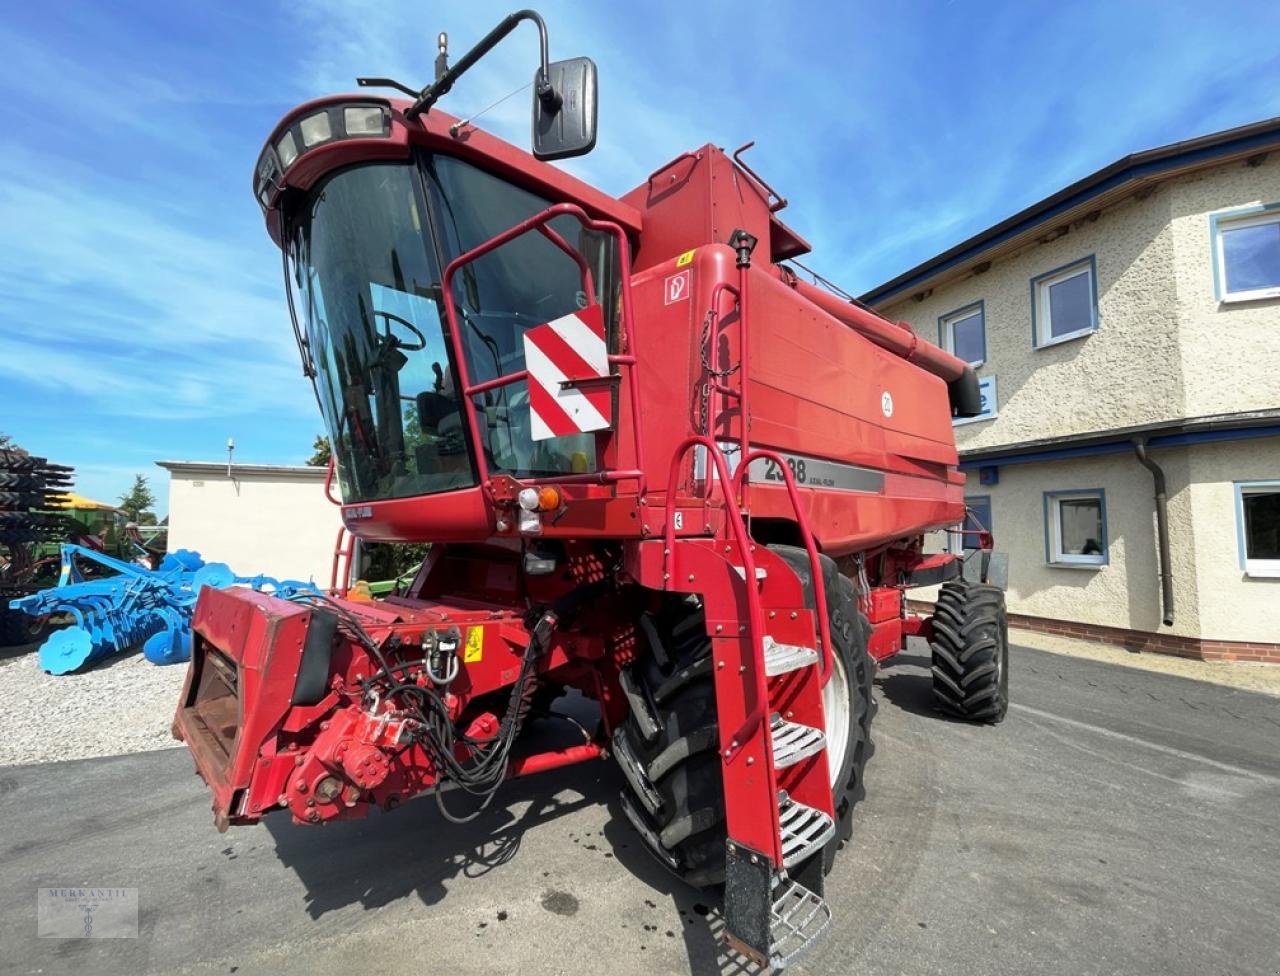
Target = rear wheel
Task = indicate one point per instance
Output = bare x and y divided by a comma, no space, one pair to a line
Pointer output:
668,746
971,652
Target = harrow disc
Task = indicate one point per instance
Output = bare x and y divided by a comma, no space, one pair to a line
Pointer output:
66,650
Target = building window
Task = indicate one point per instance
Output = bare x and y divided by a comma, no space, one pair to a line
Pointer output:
1064,303
1258,527
1076,527
963,333
1246,253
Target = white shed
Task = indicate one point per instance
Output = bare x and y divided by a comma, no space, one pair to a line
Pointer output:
258,518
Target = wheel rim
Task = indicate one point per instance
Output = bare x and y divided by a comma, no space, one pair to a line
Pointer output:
838,714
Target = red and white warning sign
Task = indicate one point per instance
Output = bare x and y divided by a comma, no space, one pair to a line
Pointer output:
675,288
570,348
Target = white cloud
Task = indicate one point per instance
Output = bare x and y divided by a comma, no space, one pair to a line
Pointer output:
127,302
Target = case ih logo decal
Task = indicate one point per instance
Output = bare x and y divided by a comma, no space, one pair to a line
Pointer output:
568,365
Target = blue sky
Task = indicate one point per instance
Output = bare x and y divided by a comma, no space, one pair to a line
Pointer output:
141,306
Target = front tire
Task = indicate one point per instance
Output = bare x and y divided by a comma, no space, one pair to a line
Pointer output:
668,748
971,652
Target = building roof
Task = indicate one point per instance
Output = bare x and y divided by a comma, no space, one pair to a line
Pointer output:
1108,185
222,468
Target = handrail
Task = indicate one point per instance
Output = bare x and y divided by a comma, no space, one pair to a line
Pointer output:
810,547
627,358
720,288
339,553
328,483
740,394
779,200
744,406
755,615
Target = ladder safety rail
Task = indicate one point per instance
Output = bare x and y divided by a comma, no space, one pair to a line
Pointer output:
806,534
755,614
740,394
625,359
588,283
328,484
341,553
714,319
744,407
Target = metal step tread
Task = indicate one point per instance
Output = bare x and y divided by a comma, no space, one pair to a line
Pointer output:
805,830
797,920
793,742
782,658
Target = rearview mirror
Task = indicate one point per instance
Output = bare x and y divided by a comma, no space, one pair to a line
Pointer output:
565,125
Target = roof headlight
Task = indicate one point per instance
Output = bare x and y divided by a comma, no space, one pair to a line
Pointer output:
364,120
315,129
288,149
298,137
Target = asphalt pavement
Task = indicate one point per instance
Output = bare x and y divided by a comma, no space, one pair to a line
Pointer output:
1118,822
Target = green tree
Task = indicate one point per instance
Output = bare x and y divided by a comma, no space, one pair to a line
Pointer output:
321,452
138,501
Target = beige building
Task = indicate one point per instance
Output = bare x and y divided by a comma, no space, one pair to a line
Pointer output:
267,519
1134,314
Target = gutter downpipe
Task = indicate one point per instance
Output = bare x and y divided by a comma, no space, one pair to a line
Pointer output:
1162,527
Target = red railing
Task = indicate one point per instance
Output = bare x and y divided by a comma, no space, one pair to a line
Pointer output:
341,558
627,359
806,535
328,484
741,393
738,529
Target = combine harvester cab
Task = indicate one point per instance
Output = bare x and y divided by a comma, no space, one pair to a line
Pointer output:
654,467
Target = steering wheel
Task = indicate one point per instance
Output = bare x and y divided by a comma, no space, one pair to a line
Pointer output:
390,317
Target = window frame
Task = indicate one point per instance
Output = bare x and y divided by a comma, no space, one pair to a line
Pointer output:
1256,568
1265,213
946,333
1053,553
1040,316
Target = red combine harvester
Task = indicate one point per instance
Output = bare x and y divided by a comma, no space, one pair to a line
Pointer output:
655,467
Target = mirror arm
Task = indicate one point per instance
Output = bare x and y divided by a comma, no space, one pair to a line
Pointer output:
440,87
387,83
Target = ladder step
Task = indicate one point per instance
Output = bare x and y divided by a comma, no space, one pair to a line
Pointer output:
793,741
761,572
804,829
797,920
781,658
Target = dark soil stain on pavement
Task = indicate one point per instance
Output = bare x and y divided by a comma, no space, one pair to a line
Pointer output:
560,903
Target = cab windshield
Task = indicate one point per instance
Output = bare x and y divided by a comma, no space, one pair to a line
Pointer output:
366,250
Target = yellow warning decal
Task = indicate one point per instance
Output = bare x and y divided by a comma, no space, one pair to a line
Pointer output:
683,259
475,645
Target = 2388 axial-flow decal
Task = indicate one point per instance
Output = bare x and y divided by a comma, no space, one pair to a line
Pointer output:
720,566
